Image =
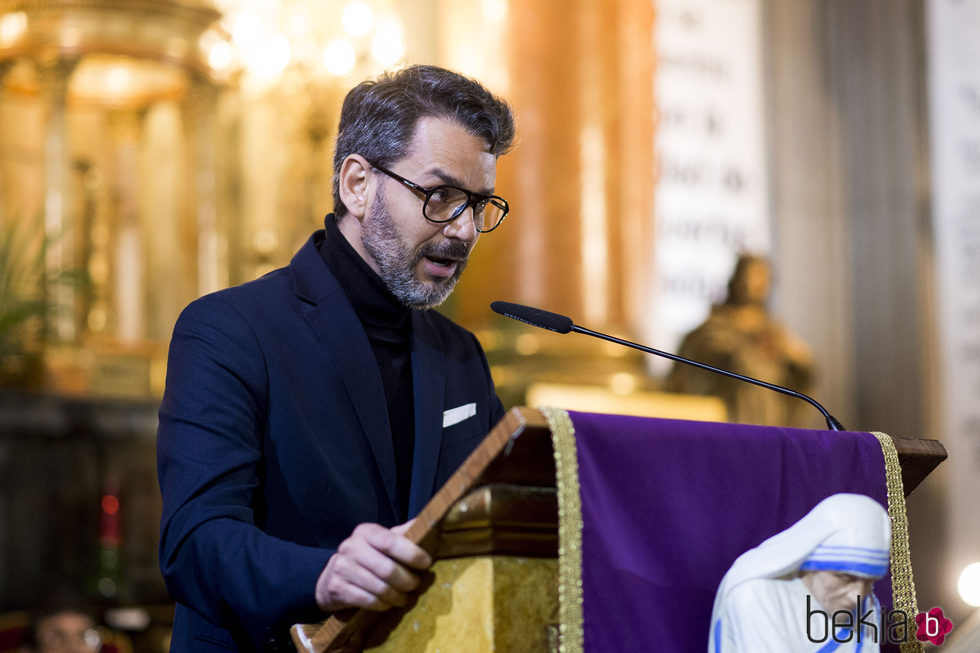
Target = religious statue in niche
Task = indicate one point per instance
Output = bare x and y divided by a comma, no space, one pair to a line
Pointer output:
740,335
809,587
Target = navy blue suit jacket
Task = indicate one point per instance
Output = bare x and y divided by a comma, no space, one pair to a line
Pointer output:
274,444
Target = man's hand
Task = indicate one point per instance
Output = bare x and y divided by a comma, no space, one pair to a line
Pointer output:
371,570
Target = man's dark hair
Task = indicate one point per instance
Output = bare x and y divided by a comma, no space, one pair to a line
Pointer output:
379,117
62,598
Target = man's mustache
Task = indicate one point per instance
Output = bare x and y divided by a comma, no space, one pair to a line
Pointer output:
452,250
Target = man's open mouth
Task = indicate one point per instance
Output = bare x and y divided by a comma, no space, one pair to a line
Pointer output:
443,261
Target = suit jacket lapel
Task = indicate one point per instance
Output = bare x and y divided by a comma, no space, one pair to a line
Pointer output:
429,385
330,314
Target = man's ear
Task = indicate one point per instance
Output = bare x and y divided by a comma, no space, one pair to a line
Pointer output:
354,184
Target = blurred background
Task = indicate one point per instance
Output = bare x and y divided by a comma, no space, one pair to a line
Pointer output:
155,150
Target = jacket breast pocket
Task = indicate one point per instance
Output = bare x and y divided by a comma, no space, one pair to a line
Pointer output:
457,443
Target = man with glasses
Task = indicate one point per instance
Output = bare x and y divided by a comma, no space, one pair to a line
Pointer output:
310,414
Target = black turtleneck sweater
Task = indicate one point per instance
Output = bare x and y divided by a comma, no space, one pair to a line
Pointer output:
388,324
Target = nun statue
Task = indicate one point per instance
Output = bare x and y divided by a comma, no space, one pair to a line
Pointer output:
808,588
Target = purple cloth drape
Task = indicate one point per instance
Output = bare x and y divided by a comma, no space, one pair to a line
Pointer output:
667,506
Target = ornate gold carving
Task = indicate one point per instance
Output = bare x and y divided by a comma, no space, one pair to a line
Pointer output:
163,30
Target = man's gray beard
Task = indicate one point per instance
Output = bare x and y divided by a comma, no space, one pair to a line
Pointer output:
397,265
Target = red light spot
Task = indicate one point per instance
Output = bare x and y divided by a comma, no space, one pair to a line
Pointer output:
110,504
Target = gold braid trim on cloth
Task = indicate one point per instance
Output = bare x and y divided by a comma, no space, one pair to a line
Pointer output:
903,587
571,634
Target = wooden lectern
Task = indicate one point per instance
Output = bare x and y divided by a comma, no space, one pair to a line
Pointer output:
493,531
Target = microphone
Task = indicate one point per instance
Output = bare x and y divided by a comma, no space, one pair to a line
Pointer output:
562,324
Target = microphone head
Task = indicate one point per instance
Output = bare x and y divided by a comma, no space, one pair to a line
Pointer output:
534,316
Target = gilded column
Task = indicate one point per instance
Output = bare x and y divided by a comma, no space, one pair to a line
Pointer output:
129,274
199,110
59,256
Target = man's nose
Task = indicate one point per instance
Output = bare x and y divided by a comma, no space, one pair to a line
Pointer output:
463,227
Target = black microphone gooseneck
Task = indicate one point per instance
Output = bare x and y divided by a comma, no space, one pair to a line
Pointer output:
562,324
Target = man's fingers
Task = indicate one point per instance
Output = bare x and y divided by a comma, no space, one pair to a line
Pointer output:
401,529
372,569
395,545
381,594
360,598
362,564
347,582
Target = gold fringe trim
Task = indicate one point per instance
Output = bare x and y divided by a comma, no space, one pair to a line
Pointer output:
571,637
903,587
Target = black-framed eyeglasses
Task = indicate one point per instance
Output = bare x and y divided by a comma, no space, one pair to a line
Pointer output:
446,203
